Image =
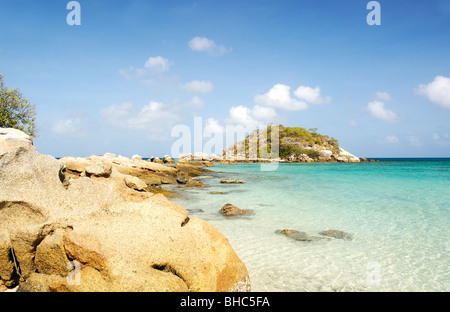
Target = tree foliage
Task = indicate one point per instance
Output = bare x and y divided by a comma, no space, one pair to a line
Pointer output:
16,111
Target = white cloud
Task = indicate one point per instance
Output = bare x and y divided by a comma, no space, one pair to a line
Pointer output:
202,44
391,139
311,95
154,118
254,118
241,115
150,115
158,64
377,110
279,97
198,86
437,91
153,65
196,102
213,126
262,113
384,96
71,127
115,113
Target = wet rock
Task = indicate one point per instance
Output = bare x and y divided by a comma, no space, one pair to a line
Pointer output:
217,192
191,169
195,184
228,162
183,178
337,234
300,236
232,210
231,181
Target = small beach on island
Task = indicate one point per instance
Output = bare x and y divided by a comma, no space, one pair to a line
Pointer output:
395,211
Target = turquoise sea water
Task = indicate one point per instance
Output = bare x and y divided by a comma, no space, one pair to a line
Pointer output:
397,211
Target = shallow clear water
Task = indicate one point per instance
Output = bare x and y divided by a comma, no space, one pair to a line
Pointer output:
398,213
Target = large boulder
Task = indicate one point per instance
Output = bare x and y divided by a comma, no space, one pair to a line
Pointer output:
12,138
89,234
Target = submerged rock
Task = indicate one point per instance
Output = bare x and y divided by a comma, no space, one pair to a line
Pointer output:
193,183
337,234
300,236
232,210
198,210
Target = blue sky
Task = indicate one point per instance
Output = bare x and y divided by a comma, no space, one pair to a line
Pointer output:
133,70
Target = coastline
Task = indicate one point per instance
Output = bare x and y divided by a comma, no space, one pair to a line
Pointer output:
274,224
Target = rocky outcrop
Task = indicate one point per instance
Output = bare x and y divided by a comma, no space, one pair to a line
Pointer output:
198,157
232,210
344,156
116,166
94,234
277,143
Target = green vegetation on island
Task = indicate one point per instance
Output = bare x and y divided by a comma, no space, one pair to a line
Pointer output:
290,143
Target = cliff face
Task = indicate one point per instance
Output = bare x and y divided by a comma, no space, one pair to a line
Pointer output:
289,144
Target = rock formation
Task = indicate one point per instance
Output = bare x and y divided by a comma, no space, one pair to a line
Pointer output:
76,226
232,210
151,173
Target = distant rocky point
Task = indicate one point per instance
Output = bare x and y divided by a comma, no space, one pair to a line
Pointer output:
292,144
